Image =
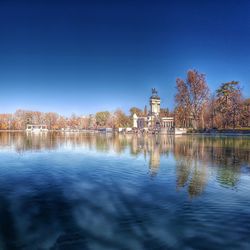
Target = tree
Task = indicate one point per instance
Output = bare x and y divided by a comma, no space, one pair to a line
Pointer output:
91,121
135,110
164,112
245,118
102,118
229,103
74,122
84,121
210,112
5,121
51,119
182,117
61,122
192,95
37,117
120,119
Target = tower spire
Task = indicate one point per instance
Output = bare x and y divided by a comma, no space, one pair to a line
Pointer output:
155,102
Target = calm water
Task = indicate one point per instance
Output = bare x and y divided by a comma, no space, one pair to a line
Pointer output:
125,192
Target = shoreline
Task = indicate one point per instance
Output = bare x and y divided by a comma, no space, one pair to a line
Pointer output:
219,133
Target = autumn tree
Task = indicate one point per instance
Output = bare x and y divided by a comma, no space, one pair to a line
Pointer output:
73,122
91,121
111,121
5,121
61,122
245,117
102,118
209,112
18,119
51,119
164,112
229,103
192,95
135,110
84,121
22,118
121,120
37,117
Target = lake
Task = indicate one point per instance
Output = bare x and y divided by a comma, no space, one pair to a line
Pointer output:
97,191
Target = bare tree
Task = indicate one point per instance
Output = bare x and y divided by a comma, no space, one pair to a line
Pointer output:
229,103
192,95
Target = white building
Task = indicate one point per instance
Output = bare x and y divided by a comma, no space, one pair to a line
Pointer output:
36,128
154,120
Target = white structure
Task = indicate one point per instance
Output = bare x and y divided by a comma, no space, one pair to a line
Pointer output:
153,119
180,131
36,128
167,122
135,120
155,103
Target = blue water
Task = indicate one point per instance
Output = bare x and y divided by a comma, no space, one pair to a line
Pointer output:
83,191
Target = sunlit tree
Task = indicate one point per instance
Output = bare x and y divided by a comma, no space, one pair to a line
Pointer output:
192,95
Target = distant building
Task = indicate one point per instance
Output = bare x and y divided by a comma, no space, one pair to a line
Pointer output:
153,120
36,128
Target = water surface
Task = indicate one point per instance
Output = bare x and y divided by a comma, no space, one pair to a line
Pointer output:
85,191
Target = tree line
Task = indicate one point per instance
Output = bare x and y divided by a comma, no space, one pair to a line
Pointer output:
195,107
54,121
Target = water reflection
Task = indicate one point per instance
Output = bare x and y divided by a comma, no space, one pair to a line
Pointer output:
192,154
51,198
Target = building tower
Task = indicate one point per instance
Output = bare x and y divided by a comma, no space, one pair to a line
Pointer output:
155,102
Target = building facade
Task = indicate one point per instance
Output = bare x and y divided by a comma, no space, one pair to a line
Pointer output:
154,120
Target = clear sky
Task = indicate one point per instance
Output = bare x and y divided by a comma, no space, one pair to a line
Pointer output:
87,56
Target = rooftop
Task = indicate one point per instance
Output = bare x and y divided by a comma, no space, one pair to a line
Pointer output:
155,94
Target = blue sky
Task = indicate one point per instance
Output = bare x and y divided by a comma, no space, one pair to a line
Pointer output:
86,56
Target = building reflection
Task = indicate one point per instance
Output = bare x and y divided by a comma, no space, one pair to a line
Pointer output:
193,155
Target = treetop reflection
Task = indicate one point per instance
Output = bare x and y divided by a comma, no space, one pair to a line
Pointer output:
193,155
